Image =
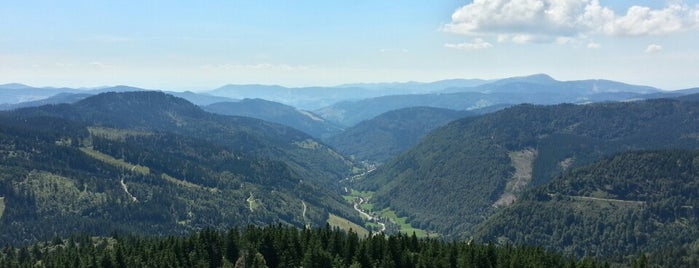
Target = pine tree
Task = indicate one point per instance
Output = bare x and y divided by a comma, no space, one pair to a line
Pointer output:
232,251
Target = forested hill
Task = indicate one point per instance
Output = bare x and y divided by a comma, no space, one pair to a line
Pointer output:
391,133
279,113
139,166
156,111
457,176
690,97
631,202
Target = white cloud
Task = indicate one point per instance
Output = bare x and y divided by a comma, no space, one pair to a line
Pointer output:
477,43
645,21
653,48
525,21
593,45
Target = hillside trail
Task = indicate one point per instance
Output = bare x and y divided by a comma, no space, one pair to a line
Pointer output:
126,189
303,215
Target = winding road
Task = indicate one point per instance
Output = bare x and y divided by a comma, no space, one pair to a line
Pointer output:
369,217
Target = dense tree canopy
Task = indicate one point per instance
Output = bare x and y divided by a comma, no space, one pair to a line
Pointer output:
277,246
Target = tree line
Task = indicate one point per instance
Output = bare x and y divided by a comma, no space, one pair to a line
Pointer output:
278,246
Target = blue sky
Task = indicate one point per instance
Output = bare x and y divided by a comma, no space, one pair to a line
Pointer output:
198,45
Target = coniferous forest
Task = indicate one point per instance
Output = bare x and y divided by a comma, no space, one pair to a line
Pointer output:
282,246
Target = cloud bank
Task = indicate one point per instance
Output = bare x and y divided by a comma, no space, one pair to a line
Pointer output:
528,21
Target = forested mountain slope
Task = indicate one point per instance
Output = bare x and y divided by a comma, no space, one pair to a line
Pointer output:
457,176
157,111
690,97
154,164
278,113
391,133
628,203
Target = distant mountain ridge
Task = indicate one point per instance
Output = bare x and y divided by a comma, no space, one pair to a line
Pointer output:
307,98
16,93
311,98
421,86
55,99
547,83
14,86
534,89
346,105
278,113
20,95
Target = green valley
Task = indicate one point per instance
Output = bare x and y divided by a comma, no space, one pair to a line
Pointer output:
384,220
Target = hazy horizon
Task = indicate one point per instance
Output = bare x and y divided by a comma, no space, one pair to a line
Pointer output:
193,46
358,84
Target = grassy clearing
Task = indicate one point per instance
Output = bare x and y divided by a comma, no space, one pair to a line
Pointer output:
2,206
354,194
60,195
344,224
180,182
115,162
367,207
307,144
115,133
404,226
366,195
357,170
606,202
253,203
348,198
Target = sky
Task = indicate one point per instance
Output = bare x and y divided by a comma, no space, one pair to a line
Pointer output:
202,45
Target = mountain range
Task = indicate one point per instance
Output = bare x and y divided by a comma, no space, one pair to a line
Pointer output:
19,95
534,89
347,105
461,174
311,98
585,168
